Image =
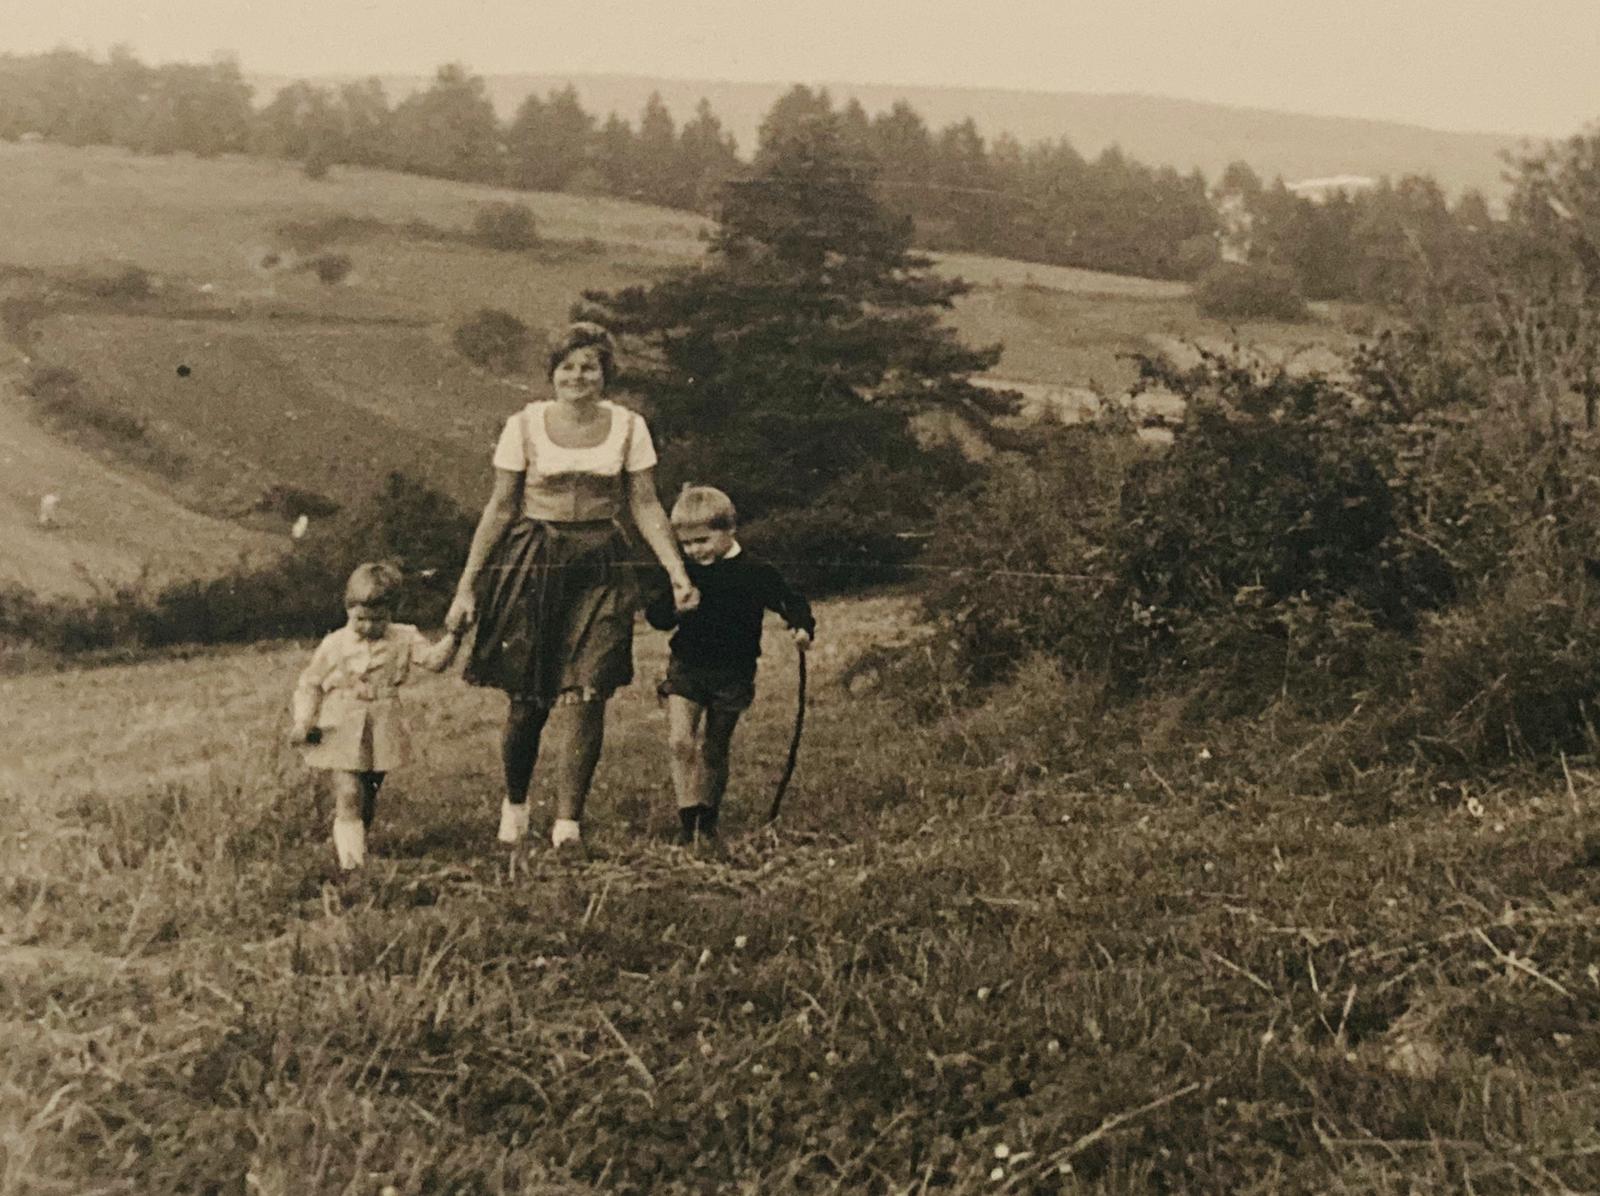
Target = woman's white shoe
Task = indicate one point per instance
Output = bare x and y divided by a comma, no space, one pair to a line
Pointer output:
513,822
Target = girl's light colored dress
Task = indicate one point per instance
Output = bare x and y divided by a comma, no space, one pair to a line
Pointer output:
351,692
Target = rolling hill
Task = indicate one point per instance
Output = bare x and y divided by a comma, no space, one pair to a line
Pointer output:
292,387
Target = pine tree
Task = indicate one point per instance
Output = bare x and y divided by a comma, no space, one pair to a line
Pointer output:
449,130
548,141
794,359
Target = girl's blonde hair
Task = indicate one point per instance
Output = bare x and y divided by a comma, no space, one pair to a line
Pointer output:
376,583
704,506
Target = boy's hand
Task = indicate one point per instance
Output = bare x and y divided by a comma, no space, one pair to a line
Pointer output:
305,736
802,639
685,597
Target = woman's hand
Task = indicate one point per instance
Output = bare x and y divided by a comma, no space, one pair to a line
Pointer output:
684,596
463,610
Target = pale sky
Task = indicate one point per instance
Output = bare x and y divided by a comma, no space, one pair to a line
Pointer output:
1519,66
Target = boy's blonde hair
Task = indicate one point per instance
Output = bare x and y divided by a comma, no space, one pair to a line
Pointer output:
376,583
704,506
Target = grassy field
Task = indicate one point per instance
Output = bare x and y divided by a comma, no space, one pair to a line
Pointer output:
293,383
976,957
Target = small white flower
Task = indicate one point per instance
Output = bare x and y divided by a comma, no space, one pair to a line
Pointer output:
747,1008
1064,1167
983,993
831,1058
998,1173
1205,754
677,1007
705,957
1053,1046
757,1070
1002,1151
1474,807
739,943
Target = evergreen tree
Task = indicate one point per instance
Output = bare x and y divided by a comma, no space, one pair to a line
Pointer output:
795,357
449,130
615,153
707,158
366,119
548,141
656,155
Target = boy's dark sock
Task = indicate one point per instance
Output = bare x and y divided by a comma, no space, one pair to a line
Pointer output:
688,819
708,821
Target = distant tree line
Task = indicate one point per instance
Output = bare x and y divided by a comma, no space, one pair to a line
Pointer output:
1044,202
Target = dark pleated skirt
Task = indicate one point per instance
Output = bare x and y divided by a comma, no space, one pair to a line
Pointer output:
555,613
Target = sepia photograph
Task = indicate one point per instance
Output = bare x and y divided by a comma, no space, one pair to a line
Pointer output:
797,597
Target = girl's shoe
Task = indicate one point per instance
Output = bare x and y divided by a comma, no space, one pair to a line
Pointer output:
350,842
513,821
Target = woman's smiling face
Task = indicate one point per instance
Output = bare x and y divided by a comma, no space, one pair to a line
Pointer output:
580,376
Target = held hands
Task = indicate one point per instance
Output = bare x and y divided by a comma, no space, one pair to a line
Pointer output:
463,610
802,639
684,595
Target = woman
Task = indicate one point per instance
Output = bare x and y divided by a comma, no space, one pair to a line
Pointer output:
547,579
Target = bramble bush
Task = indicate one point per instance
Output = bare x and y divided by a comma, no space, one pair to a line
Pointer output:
493,340
298,594
1236,291
1372,555
507,226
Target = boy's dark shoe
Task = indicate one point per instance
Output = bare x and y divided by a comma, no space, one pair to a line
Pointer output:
688,821
707,825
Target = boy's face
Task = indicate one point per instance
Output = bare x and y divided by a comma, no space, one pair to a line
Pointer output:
703,544
369,622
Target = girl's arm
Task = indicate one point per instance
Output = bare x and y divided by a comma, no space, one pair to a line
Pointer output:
653,525
307,701
435,658
497,515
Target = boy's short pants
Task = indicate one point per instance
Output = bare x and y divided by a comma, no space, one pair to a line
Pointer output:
716,688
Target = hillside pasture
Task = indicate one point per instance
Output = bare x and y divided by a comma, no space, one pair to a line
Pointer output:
974,958
111,528
296,384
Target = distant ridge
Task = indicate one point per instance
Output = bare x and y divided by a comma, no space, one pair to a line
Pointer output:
1160,131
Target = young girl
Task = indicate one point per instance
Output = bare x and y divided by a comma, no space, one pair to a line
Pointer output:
347,702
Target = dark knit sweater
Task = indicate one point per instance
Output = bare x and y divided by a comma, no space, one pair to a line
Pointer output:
724,631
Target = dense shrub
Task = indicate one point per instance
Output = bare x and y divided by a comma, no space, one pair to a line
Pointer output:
1235,291
1368,556
299,594
331,268
494,340
291,502
509,226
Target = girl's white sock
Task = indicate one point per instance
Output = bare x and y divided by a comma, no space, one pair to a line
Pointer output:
350,841
565,830
513,821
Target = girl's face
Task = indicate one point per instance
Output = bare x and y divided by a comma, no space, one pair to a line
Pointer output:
579,377
369,622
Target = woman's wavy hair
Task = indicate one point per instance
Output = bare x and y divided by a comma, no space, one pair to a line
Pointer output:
582,335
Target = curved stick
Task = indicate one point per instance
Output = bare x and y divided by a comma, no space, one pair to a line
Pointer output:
794,742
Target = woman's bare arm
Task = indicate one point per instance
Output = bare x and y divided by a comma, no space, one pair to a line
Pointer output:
497,515
653,525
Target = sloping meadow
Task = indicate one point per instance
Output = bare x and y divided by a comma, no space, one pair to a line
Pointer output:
957,966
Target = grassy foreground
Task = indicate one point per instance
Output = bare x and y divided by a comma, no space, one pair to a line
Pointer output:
950,970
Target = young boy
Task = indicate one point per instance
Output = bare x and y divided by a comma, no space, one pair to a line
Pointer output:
711,675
